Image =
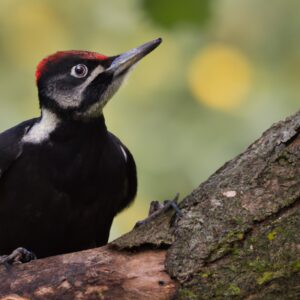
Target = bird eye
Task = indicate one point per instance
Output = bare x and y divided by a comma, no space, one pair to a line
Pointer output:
79,71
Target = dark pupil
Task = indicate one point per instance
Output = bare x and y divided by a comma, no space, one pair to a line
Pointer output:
79,70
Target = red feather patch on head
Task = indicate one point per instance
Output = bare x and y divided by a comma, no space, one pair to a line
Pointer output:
61,54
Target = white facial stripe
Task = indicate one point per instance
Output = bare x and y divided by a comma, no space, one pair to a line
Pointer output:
112,88
96,109
41,131
72,98
98,70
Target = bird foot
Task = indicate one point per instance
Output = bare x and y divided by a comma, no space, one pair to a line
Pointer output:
157,208
18,256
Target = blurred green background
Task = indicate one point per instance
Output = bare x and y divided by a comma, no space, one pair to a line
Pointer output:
227,70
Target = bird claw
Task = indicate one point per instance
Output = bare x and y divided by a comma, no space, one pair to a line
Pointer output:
157,208
18,256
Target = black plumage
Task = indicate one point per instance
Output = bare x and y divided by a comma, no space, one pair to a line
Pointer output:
61,196
64,176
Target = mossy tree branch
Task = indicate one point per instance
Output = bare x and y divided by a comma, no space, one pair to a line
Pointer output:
245,214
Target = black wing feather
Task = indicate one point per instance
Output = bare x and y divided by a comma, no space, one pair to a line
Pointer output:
131,186
11,145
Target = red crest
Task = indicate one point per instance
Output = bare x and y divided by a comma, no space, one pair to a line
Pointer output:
61,54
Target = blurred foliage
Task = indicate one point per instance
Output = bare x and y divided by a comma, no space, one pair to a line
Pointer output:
170,13
194,103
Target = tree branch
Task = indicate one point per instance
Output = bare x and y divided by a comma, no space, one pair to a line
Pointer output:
238,236
101,273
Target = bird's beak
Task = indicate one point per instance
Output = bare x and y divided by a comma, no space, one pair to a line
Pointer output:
126,60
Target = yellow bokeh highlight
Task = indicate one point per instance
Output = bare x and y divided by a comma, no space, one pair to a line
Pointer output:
220,76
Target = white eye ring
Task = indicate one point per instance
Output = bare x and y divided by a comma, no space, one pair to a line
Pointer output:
79,71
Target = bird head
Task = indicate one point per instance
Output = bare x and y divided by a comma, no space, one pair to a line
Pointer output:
78,84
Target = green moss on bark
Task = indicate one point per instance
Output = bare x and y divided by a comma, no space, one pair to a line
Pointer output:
264,267
238,233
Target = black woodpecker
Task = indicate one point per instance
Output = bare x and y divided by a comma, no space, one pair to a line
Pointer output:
64,176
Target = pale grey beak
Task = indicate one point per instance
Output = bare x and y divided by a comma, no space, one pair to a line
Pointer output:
126,60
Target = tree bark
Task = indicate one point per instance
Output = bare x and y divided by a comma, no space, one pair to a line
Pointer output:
238,236
101,273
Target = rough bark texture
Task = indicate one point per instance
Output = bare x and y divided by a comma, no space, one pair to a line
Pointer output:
243,222
238,237
101,273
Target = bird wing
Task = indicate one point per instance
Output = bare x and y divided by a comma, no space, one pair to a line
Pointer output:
131,184
11,145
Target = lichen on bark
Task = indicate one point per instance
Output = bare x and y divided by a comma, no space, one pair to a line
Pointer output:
249,189
264,264
220,217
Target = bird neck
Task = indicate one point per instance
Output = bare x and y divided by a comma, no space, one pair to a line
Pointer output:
52,125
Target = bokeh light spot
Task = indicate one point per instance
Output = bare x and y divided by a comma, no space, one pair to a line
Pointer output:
220,76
